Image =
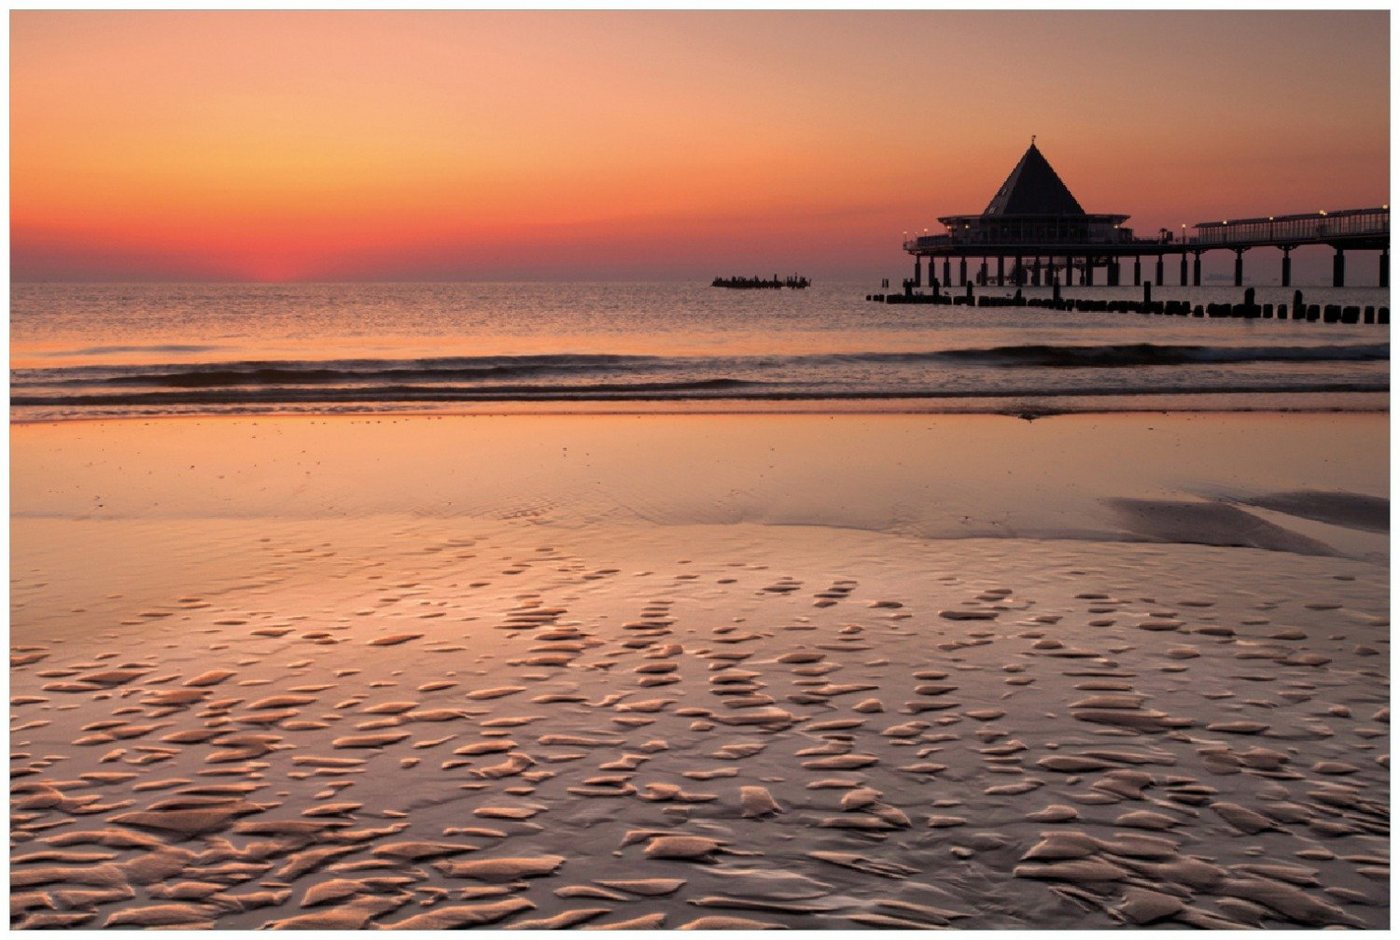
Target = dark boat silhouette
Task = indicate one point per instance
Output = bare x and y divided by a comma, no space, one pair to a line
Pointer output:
795,281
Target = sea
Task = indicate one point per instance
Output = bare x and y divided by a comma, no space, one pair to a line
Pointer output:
82,351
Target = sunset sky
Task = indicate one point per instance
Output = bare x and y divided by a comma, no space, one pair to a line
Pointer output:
479,145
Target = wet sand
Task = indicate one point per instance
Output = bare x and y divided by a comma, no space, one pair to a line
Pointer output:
430,673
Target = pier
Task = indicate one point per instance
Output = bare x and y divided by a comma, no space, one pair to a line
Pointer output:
1034,233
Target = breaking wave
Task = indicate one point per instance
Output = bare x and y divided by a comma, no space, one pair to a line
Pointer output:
1021,371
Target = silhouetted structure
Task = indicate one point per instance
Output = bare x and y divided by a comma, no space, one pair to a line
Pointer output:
1249,309
795,281
1035,222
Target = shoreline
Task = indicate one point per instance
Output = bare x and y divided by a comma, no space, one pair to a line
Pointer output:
815,406
1291,483
919,472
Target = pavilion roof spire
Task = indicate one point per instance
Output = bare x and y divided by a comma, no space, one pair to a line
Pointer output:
1034,188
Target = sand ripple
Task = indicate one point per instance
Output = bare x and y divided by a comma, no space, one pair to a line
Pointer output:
987,734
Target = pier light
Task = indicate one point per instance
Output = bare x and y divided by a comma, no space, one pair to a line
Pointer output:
1321,211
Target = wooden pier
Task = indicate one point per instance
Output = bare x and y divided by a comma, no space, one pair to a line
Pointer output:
1035,233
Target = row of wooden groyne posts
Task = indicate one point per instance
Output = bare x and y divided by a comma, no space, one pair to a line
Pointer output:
1247,309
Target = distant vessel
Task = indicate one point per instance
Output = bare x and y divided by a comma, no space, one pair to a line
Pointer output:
795,281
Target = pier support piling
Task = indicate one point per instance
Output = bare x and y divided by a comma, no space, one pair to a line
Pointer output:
962,271
1183,269
1385,269
1196,270
1001,271
1287,268
919,271
1161,278
1339,269
1239,267
1137,271
948,271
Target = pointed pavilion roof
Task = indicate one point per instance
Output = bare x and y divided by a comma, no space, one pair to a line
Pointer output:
1034,188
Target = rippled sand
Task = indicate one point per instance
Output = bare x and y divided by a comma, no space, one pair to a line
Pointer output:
424,722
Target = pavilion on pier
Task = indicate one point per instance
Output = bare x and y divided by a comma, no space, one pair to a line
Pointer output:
1034,206
1033,219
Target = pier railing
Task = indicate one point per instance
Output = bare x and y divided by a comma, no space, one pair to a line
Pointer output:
1311,228
1115,237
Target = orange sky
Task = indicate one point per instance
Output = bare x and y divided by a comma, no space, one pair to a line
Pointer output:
347,145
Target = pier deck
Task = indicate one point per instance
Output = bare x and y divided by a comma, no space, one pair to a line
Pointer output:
1037,258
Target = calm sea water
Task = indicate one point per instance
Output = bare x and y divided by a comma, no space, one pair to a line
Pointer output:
120,350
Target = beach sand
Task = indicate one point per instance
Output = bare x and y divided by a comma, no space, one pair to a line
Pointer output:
701,671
